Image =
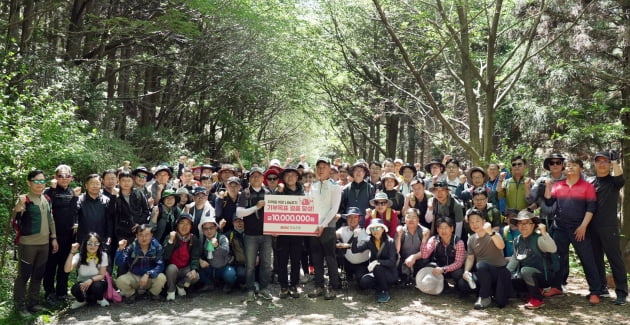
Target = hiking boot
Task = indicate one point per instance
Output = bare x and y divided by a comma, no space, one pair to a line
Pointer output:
265,294
293,292
483,303
316,292
593,299
621,301
284,293
552,292
251,296
329,293
534,303
382,297
78,304
130,300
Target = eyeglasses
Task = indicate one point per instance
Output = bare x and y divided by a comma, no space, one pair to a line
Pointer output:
377,203
200,195
373,229
62,176
143,176
480,199
555,162
525,223
517,164
208,228
93,243
38,181
272,179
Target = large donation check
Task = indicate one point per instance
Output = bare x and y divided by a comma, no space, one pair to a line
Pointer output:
290,215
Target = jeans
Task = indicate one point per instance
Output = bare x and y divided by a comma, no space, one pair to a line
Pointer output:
380,278
584,250
94,292
323,247
258,246
226,274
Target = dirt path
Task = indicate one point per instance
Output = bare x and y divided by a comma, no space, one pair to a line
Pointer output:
408,306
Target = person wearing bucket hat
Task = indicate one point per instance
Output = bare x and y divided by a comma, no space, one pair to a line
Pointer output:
382,267
164,215
258,246
163,175
131,207
322,245
271,178
428,282
185,197
408,173
443,204
418,199
182,251
485,253
605,231
536,198
435,172
383,211
226,171
390,183
354,264
215,257
199,208
531,264
357,194
141,176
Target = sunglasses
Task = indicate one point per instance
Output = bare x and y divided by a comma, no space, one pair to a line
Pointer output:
272,179
555,162
62,176
93,243
373,229
517,164
380,203
525,223
38,181
143,176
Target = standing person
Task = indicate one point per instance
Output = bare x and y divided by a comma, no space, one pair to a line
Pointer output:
516,188
443,204
144,259
250,208
577,202
95,212
287,246
141,176
91,263
110,181
536,198
493,184
37,231
163,175
435,168
605,227
528,264
132,208
390,183
225,205
408,173
64,205
199,208
323,244
418,199
375,175
358,193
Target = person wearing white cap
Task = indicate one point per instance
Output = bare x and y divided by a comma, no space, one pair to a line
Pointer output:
215,257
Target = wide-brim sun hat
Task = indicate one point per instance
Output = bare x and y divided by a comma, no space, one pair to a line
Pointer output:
429,283
381,196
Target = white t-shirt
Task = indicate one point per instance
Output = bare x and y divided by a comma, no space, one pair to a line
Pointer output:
84,271
346,235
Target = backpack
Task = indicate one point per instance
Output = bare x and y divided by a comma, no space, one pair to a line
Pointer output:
551,261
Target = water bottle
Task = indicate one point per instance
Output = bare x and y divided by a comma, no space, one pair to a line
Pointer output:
471,281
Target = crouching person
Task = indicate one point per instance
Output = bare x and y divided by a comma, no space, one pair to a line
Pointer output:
91,264
181,251
144,259
215,257
528,263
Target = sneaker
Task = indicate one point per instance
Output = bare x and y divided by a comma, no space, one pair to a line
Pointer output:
593,299
24,313
621,301
130,300
227,288
36,308
330,294
534,303
293,292
206,287
265,294
103,302
155,297
52,300
284,293
382,297
553,292
251,296
170,296
604,294
316,292
483,303
78,304
181,291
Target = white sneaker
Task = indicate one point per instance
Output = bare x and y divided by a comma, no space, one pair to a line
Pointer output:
78,304
181,291
170,296
103,302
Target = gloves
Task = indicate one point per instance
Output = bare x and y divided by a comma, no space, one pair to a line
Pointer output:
372,265
614,155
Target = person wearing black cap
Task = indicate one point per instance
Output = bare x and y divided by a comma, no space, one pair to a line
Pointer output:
536,198
605,226
443,204
199,208
359,192
418,199
225,205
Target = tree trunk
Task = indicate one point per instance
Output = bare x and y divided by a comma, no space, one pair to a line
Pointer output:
411,142
27,26
391,127
625,142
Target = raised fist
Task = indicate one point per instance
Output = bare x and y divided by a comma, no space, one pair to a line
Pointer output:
122,244
75,248
614,155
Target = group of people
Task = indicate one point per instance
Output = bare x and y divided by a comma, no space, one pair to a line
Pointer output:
165,232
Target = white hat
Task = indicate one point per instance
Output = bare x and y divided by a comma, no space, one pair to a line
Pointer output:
206,219
429,283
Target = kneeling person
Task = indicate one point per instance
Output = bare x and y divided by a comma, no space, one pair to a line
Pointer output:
182,251
215,256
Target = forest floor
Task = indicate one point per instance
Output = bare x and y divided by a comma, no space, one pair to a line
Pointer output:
407,306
